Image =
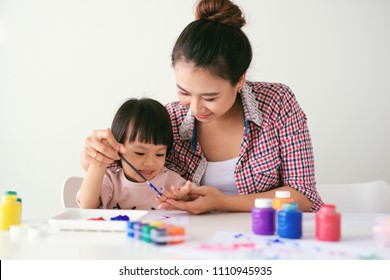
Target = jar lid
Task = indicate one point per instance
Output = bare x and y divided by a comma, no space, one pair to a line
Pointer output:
10,193
282,194
18,230
328,208
263,202
290,206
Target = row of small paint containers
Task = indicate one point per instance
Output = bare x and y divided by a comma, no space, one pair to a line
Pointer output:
281,214
10,210
156,232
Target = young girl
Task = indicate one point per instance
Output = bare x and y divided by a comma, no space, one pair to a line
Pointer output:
144,128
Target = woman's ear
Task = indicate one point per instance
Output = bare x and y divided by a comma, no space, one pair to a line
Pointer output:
241,82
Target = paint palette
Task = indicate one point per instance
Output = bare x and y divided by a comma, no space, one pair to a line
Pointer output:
156,232
94,219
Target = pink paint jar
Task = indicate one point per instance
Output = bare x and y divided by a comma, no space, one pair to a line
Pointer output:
382,231
328,223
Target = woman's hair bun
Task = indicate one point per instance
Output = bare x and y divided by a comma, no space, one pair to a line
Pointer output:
221,11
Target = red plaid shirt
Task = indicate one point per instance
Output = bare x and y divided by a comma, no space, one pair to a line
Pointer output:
275,151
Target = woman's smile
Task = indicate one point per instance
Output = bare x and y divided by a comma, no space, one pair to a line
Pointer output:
203,117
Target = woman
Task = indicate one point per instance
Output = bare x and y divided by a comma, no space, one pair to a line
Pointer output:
238,140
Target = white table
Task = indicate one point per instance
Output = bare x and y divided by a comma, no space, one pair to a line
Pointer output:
203,232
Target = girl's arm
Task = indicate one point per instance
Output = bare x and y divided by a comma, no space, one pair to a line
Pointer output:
100,150
91,186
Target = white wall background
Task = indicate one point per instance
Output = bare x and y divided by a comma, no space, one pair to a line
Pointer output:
66,66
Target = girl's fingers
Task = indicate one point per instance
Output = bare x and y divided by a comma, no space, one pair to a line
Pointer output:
175,191
165,193
161,199
187,187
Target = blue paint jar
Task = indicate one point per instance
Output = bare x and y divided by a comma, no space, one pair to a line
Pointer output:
290,221
130,229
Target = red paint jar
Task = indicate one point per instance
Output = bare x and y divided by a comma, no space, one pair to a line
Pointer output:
328,223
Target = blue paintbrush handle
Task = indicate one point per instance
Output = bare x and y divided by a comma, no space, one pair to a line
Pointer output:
142,176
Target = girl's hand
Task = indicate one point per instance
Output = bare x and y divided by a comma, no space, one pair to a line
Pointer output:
177,194
183,192
100,149
205,199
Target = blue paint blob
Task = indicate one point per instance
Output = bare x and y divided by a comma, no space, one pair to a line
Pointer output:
120,218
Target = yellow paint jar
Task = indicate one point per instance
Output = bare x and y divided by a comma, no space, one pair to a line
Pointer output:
10,210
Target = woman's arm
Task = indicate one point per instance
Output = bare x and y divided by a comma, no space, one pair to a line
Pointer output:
100,149
210,199
247,202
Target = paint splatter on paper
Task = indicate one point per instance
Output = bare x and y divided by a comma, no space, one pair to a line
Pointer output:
96,219
171,217
241,245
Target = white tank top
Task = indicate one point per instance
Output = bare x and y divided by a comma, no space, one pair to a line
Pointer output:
220,174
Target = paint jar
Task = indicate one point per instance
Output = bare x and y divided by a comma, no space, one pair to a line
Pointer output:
381,231
280,198
145,232
176,234
10,210
21,209
159,235
290,221
328,223
263,217
156,232
130,229
134,229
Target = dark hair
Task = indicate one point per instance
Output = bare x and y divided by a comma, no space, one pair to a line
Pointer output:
215,41
149,122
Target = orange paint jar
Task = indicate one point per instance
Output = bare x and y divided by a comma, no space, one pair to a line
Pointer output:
280,198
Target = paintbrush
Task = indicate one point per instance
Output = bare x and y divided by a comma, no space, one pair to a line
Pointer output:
142,176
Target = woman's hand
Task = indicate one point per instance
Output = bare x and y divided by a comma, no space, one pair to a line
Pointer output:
101,149
205,199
